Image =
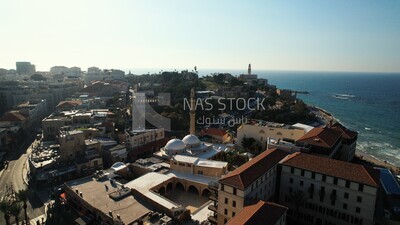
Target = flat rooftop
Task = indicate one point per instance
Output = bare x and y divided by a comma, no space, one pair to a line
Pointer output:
145,183
96,194
199,161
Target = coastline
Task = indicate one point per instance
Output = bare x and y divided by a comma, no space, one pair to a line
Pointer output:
326,117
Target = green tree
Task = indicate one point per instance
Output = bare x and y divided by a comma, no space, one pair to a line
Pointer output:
22,196
298,198
15,210
5,209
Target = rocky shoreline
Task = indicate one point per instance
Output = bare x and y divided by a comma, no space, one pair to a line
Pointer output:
325,118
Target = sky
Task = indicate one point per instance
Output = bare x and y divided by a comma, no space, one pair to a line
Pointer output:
312,35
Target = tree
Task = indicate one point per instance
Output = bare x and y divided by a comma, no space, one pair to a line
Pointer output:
298,199
38,77
15,210
5,209
22,196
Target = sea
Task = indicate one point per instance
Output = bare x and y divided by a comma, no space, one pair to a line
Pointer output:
368,103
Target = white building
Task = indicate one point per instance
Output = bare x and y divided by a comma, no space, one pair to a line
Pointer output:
140,138
321,190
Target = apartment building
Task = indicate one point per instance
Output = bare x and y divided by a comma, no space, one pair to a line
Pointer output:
321,190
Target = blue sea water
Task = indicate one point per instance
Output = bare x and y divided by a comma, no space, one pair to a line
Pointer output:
368,103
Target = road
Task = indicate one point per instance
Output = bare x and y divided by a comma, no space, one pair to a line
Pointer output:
13,175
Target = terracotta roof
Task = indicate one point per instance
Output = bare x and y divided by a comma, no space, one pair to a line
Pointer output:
335,168
214,131
321,136
263,213
64,104
249,172
14,116
346,133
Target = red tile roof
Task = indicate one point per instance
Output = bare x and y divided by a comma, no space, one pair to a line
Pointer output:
249,172
346,133
263,213
67,104
335,168
214,131
321,136
13,116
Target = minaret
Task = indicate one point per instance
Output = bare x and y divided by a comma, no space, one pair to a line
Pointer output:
192,129
249,69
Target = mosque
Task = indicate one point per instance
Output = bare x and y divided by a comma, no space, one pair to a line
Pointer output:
190,145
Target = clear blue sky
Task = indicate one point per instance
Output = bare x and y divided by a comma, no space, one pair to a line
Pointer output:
342,35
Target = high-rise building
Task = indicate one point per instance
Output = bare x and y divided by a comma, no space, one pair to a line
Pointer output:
25,68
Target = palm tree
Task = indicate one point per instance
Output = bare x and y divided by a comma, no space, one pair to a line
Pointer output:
15,210
5,209
22,196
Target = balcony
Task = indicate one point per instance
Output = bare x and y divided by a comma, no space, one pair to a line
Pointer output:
213,198
212,208
212,218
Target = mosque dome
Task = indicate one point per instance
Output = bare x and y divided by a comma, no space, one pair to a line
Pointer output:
191,140
175,145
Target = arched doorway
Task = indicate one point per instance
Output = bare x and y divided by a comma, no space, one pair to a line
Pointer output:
179,186
192,189
161,190
206,193
169,187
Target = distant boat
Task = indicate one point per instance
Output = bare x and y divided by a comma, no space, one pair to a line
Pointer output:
340,97
343,96
367,128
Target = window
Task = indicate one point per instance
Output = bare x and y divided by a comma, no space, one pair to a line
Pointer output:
291,180
234,203
358,210
225,211
292,170
222,187
346,195
313,175
301,183
347,183
344,206
233,214
302,173
234,191
226,200
361,187
290,190
359,199
335,180
324,178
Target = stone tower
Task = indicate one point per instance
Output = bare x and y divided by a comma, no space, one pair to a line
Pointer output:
192,128
249,69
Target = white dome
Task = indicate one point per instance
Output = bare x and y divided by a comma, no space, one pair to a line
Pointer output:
175,145
191,140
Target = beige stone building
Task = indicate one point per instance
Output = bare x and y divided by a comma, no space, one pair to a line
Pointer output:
261,131
194,165
139,138
255,179
328,191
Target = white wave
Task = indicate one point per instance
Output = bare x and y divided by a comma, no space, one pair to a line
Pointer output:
367,128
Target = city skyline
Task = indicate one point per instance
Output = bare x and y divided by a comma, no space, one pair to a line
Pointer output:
360,36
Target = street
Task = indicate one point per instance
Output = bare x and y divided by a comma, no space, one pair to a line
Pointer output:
13,175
